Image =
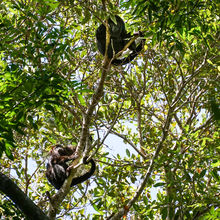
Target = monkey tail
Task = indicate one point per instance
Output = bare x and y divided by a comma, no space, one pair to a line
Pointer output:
125,60
87,175
131,56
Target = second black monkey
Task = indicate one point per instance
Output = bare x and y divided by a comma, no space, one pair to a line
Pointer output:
57,168
118,39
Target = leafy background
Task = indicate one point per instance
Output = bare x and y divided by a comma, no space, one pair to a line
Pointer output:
164,106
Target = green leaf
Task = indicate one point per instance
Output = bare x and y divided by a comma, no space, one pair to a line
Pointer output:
50,108
128,153
215,175
202,174
216,164
164,213
95,207
159,184
145,200
82,100
8,150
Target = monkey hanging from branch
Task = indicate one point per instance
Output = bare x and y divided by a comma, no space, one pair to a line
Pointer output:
119,38
57,169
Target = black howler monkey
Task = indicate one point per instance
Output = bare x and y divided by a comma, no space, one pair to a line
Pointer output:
118,40
57,168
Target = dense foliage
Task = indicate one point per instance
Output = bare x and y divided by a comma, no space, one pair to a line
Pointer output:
155,122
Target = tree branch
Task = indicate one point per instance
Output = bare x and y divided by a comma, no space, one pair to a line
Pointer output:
123,211
87,118
24,203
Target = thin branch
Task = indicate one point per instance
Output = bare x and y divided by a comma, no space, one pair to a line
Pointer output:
209,120
122,211
113,123
129,142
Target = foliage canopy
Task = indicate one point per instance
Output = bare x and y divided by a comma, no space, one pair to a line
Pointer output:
155,122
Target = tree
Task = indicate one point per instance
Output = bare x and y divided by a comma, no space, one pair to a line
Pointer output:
56,88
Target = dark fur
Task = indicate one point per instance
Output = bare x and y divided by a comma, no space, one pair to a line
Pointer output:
57,168
118,39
